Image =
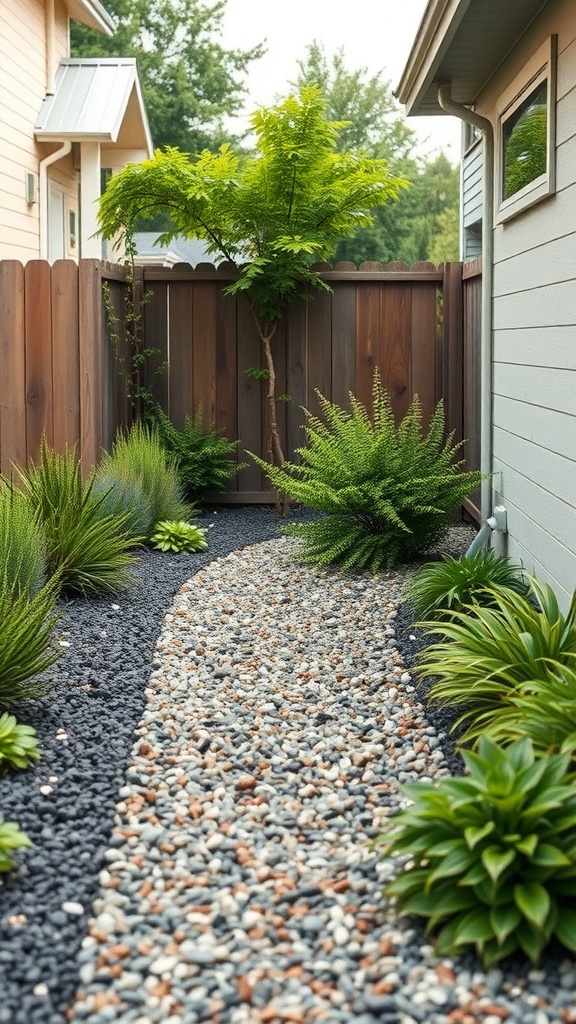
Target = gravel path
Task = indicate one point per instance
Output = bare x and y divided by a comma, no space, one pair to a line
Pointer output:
237,884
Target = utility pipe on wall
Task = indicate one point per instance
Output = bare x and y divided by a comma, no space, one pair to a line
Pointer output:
43,166
465,114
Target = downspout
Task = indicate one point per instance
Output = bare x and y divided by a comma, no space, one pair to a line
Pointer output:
43,166
465,114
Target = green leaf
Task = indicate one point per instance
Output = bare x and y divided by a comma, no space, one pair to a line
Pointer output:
534,902
550,856
474,834
455,863
504,920
496,860
565,928
475,927
528,844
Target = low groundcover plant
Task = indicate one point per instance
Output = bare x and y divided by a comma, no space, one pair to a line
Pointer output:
492,855
178,536
11,838
18,743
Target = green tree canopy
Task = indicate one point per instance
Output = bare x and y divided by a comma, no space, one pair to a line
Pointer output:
273,214
423,224
190,82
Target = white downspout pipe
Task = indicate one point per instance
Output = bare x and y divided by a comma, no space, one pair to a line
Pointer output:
43,166
465,114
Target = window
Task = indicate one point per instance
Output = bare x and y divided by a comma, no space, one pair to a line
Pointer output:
526,135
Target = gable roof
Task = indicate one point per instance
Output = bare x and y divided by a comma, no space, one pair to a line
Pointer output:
98,100
178,250
461,42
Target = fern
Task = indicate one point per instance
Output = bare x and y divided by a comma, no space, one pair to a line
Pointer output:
203,455
385,491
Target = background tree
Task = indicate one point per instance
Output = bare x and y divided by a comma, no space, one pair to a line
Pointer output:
273,214
190,82
423,224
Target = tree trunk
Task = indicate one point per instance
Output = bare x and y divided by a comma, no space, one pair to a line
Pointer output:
273,445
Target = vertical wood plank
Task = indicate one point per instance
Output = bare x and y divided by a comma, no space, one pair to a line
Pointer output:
90,323
38,331
180,319
296,377
394,348
155,327
319,311
423,347
204,350
249,399
368,331
343,342
226,418
65,355
12,366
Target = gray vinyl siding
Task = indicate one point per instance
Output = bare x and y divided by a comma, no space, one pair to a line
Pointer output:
534,310
472,184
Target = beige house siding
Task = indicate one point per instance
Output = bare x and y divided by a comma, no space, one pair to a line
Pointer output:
23,82
534,384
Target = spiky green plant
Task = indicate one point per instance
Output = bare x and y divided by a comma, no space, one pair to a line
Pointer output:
492,856
487,652
22,542
138,454
385,491
18,743
438,589
89,550
11,838
178,536
542,709
27,647
124,495
203,455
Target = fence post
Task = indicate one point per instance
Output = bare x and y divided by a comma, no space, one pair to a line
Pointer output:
453,349
90,325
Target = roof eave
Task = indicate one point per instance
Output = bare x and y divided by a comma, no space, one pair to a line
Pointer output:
92,13
439,24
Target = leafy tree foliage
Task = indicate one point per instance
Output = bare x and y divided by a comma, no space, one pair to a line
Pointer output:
424,223
190,81
273,214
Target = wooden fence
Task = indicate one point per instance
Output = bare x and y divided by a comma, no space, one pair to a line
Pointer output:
59,370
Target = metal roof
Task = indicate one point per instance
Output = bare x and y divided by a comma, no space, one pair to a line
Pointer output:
95,100
462,42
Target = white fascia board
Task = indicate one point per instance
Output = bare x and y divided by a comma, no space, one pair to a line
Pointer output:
92,13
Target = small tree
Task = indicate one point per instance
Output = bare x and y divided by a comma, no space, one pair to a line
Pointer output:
273,215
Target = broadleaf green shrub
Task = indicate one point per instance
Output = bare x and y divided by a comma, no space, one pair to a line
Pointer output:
438,589
385,491
492,863
486,652
18,743
89,550
11,838
22,542
203,455
178,536
138,455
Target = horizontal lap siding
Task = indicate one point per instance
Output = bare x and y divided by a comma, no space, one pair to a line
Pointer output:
534,311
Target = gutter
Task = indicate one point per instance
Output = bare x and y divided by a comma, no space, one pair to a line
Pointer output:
465,114
43,166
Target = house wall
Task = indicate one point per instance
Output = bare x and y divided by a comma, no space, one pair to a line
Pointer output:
534,386
472,173
23,82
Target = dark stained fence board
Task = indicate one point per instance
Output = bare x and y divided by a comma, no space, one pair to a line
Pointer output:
65,355
90,332
226,412
296,376
319,311
204,350
12,366
38,334
343,342
423,348
394,348
452,354
180,379
249,397
368,332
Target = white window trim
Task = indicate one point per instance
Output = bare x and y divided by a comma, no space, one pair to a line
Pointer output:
540,68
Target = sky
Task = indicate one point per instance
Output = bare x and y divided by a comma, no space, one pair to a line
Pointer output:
374,34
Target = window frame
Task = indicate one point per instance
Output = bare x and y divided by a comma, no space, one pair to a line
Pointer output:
540,68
